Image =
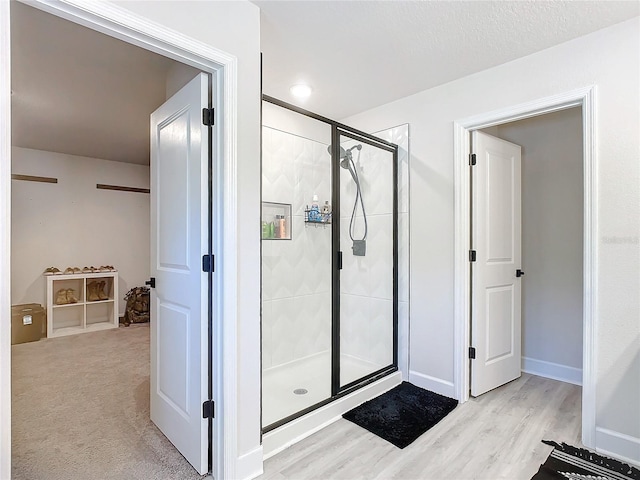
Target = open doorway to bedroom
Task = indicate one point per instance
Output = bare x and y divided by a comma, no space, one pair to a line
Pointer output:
81,102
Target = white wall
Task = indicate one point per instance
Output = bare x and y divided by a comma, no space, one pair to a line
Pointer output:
610,59
73,224
552,232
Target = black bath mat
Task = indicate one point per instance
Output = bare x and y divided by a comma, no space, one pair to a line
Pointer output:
567,462
402,414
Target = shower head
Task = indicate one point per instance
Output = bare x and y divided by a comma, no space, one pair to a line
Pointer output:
345,153
346,158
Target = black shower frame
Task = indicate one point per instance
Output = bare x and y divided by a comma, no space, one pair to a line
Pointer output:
340,130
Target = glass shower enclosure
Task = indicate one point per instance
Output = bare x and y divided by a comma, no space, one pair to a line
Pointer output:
329,261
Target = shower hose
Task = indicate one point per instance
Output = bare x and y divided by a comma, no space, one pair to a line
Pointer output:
356,180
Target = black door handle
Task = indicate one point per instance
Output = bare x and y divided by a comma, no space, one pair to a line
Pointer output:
151,282
519,273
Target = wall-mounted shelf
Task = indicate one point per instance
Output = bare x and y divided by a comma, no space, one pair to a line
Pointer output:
276,221
312,217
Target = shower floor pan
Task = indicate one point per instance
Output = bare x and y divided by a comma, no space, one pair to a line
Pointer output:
282,385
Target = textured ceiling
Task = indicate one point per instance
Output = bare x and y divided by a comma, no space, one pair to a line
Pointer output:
80,92
361,54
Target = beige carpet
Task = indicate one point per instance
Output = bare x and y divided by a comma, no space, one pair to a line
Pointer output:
81,410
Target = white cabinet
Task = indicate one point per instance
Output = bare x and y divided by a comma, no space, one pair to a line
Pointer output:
81,303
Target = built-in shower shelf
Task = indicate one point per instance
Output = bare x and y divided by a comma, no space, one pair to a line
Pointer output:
276,221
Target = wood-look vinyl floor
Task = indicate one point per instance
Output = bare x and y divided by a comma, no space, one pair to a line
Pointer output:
495,436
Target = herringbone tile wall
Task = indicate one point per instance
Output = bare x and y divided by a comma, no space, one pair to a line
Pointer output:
296,273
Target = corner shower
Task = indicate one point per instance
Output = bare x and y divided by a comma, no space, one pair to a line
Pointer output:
329,261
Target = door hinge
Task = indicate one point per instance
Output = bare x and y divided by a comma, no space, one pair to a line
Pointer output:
207,116
472,159
207,263
472,255
472,353
208,409
339,260
151,282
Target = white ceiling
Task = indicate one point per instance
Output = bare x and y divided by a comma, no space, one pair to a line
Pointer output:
361,54
80,92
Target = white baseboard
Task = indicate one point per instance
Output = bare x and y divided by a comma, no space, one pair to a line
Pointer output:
437,385
554,371
249,465
282,437
618,445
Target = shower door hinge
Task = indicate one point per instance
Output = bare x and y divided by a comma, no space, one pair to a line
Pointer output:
472,159
339,260
472,353
207,117
208,409
472,255
207,263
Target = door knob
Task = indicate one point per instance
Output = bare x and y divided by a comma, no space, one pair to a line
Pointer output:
519,273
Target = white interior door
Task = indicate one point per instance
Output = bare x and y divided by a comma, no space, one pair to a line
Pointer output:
179,239
496,238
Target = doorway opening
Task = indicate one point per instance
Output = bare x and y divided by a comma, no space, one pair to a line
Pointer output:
583,98
547,278
79,297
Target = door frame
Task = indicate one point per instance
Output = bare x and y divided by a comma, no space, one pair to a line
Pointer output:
124,25
585,98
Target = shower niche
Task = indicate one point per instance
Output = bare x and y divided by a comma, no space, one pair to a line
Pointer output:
276,221
329,295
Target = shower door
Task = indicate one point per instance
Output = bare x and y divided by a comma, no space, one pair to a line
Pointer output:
365,241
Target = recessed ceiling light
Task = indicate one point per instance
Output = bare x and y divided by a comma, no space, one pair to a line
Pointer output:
301,90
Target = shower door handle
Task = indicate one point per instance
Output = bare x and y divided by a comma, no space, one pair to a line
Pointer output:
339,260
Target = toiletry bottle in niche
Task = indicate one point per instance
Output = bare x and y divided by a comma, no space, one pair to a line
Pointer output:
276,227
282,227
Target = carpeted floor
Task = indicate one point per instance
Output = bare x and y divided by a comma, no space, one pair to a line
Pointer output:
81,410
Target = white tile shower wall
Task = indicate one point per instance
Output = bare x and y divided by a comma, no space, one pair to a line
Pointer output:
296,273
400,136
367,282
366,286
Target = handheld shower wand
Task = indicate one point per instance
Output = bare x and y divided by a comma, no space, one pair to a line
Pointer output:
359,246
